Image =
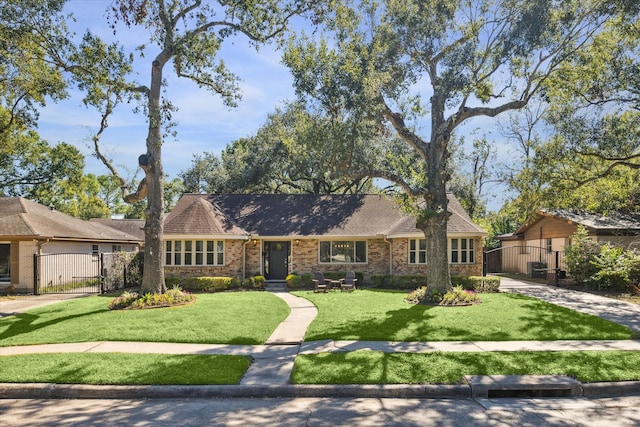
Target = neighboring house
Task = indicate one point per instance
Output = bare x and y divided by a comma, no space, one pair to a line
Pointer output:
28,228
133,227
239,235
550,232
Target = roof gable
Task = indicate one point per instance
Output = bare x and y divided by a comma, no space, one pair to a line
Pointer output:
594,222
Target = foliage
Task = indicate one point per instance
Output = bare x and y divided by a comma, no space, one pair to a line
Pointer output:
119,262
456,296
423,295
412,73
210,284
257,282
131,300
288,155
482,284
580,254
617,268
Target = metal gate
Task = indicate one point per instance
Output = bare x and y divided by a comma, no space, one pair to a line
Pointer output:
533,261
74,273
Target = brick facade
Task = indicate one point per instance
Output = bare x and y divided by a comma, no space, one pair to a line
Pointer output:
304,259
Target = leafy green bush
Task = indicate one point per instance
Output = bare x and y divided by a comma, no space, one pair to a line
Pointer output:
210,284
257,282
483,284
579,256
398,282
299,281
616,268
456,296
460,296
172,281
131,300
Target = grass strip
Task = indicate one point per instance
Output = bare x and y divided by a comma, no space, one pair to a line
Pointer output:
223,318
373,367
123,369
382,315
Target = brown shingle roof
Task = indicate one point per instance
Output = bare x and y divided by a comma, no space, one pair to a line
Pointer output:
134,227
301,215
22,218
195,215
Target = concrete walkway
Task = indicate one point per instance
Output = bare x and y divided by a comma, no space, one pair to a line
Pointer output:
273,362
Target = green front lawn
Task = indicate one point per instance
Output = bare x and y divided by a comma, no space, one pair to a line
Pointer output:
118,368
375,315
372,367
222,318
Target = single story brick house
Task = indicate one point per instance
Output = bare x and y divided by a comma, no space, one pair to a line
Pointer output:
28,228
240,235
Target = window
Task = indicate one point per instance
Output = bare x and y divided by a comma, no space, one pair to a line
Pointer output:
343,252
417,251
5,262
549,245
116,248
194,252
462,251
95,249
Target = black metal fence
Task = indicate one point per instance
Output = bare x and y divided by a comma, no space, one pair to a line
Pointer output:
81,273
532,261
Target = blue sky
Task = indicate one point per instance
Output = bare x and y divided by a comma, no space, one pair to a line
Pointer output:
204,123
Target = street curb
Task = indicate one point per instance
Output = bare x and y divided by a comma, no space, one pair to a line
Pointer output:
455,391
80,391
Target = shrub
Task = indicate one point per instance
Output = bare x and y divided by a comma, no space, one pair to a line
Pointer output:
210,284
580,254
131,300
399,282
616,268
257,282
422,295
460,296
483,284
300,281
172,281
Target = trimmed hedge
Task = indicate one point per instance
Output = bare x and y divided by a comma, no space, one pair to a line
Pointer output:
484,284
204,284
300,281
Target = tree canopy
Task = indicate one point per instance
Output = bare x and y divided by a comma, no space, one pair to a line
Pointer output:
423,69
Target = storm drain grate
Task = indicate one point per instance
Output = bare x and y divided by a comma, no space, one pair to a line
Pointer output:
503,386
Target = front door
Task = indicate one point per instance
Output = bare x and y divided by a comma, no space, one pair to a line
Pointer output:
276,260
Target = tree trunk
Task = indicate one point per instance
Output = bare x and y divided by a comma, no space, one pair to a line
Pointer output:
433,222
151,163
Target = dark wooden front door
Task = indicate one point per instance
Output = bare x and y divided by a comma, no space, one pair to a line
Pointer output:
276,260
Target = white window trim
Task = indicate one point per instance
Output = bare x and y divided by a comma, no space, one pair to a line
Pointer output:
417,251
459,250
171,255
